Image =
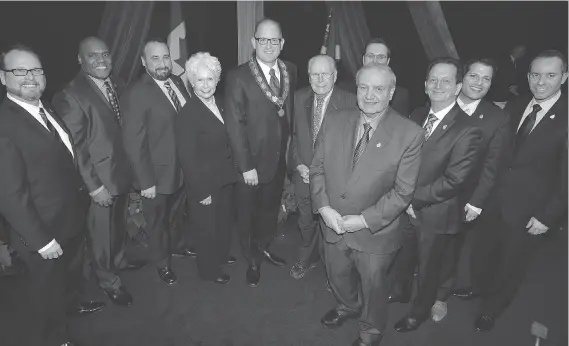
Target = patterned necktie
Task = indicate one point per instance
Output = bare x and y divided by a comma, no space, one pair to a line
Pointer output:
429,126
173,97
51,128
112,96
274,82
317,116
362,144
527,125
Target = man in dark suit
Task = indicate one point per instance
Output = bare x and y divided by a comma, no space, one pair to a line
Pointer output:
89,107
510,80
378,52
311,106
149,109
493,122
434,217
259,106
43,200
530,196
362,178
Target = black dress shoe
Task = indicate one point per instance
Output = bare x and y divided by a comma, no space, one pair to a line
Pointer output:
167,275
334,318
484,323
133,265
360,342
231,260
191,253
273,259
222,279
394,298
407,324
85,308
253,275
120,297
465,293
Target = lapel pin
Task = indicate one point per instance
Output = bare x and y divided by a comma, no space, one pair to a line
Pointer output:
552,116
378,145
444,127
481,116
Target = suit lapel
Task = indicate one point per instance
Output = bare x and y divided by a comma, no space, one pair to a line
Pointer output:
90,85
443,127
549,121
349,134
165,100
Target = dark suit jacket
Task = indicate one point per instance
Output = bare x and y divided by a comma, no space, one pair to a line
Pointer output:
148,119
448,157
302,144
42,195
533,182
203,150
380,187
254,128
400,101
494,123
96,135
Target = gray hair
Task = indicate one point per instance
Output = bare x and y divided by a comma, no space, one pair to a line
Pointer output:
328,58
380,68
206,59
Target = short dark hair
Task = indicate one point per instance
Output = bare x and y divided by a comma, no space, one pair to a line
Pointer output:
17,46
152,39
376,40
552,53
449,61
267,20
484,61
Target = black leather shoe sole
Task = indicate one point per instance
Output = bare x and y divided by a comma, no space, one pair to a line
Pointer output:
334,320
120,298
273,259
222,279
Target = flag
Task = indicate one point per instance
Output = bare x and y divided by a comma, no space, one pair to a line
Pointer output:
177,39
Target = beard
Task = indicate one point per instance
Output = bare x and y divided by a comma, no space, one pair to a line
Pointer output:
161,74
25,94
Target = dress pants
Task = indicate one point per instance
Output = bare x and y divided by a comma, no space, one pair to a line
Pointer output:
180,233
427,250
499,261
106,241
360,283
160,215
51,286
213,232
257,214
308,224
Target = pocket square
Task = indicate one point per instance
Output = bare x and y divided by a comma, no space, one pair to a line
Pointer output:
552,116
378,145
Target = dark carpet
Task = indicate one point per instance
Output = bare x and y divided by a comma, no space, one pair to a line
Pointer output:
286,312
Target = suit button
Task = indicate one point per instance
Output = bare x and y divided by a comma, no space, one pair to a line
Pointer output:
343,196
278,152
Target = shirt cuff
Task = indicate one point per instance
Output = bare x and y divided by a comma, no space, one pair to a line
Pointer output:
320,210
93,193
473,208
364,220
47,246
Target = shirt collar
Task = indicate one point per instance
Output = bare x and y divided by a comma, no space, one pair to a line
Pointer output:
101,82
546,105
441,114
267,70
28,107
468,108
373,122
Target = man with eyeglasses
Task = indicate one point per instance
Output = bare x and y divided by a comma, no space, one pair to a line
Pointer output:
43,200
90,108
311,105
377,51
259,106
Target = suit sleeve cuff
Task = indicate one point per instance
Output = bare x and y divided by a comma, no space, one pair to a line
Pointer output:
40,251
364,220
93,193
475,209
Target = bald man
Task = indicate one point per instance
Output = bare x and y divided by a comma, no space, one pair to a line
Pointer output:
90,108
362,178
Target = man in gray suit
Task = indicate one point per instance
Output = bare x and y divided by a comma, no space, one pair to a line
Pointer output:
362,178
311,106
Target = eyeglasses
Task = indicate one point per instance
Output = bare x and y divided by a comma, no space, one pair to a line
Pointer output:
316,76
263,41
375,57
23,72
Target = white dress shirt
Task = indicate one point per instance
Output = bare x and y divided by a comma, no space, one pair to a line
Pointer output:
468,108
35,112
440,115
267,71
545,107
176,91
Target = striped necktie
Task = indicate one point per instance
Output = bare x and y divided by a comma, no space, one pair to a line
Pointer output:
173,97
112,97
274,82
429,126
361,146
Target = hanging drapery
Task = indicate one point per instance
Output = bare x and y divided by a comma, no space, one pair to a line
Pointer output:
432,29
124,27
248,14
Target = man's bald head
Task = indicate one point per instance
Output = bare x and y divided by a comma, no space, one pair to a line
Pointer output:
380,69
267,22
94,57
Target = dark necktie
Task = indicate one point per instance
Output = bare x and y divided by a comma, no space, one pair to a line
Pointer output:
112,96
173,97
527,125
317,116
429,126
51,128
274,82
362,144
